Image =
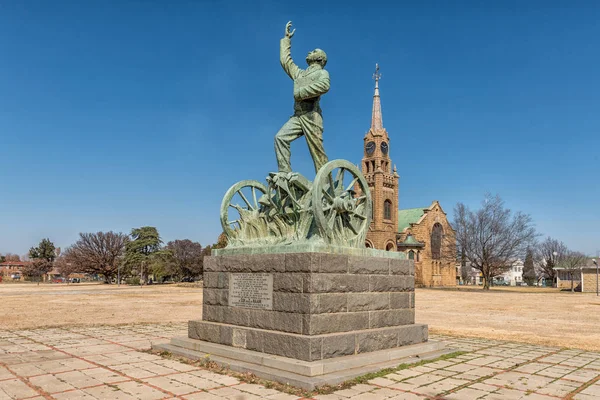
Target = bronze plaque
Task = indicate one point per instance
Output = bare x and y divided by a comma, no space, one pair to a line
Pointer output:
251,290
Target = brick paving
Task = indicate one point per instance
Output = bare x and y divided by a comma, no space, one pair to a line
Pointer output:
106,363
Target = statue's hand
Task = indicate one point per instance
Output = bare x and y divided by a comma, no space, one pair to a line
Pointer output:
288,30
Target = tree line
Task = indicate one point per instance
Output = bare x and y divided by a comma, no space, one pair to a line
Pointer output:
491,238
135,258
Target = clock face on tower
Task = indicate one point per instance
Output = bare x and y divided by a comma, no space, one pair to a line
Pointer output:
370,147
384,148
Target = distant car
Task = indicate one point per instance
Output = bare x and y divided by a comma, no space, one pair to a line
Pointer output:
75,280
187,279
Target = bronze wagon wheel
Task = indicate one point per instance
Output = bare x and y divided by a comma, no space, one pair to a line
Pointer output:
242,197
341,215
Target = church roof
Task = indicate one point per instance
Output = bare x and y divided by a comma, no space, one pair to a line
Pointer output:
410,241
409,216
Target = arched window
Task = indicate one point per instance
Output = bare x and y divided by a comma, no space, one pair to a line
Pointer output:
418,256
436,241
389,247
387,209
368,245
411,255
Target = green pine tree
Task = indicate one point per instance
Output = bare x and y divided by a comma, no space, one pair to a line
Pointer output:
529,275
141,251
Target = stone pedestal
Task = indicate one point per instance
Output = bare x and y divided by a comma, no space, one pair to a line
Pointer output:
310,304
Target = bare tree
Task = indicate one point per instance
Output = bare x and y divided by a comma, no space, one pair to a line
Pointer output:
549,255
98,253
12,257
37,268
64,267
572,263
185,258
448,252
492,237
465,268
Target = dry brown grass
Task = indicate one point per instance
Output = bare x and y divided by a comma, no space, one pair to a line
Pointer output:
27,306
532,315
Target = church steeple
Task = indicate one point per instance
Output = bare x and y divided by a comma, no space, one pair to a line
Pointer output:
382,180
376,118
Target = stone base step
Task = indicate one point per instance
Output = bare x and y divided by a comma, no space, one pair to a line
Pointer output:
303,374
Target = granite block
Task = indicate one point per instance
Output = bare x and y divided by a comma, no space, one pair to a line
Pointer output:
274,320
338,322
289,282
226,335
218,280
402,267
333,263
400,299
216,297
338,283
316,348
254,340
411,334
301,262
293,346
293,302
378,340
212,313
339,345
211,264
236,315
383,318
391,283
368,301
368,265
332,303
207,332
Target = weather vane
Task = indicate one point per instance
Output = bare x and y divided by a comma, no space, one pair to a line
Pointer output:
376,75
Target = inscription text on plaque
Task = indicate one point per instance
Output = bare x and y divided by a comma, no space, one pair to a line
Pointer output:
251,290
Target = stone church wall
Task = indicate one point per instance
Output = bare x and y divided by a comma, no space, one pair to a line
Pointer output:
433,272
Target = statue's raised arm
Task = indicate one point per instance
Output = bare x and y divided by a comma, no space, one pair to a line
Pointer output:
285,52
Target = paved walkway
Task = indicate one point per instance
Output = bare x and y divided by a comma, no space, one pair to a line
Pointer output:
105,363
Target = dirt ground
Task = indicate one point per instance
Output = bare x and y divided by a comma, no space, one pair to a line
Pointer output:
532,315
26,305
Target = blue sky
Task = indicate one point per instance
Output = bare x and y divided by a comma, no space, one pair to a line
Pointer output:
122,114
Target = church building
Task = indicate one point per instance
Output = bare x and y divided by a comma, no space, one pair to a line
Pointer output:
423,234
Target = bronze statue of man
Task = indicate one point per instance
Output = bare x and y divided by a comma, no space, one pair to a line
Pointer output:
309,85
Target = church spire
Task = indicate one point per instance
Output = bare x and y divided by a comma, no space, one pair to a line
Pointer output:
376,119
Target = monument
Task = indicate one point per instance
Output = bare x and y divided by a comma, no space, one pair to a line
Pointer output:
296,296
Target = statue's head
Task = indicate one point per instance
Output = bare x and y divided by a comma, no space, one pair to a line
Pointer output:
317,56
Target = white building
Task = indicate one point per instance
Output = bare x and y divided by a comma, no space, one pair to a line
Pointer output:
512,276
